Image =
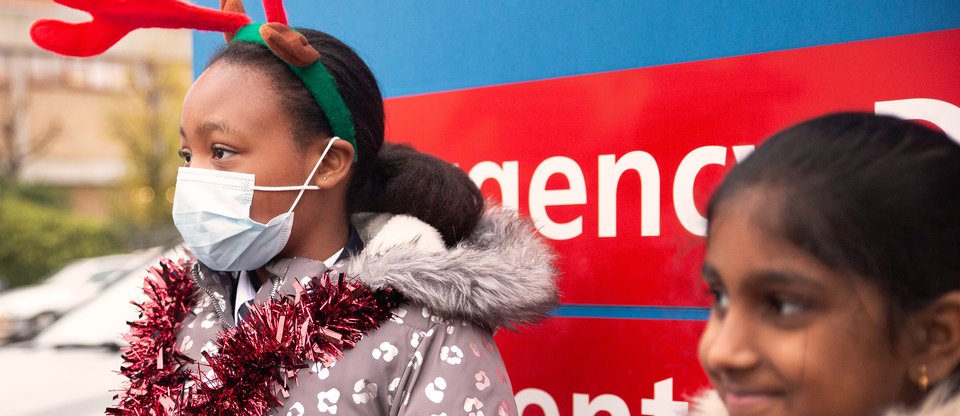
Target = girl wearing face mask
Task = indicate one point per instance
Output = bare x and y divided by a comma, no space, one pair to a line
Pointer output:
333,273
832,256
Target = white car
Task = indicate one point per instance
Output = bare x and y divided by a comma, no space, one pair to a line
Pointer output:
26,311
71,368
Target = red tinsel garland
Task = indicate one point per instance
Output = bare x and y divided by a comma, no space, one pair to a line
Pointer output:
256,361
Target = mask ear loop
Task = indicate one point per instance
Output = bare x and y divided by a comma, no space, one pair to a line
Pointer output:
312,173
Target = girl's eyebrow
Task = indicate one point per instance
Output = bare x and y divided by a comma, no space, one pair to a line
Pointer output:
782,278
206,127
766,278
209,126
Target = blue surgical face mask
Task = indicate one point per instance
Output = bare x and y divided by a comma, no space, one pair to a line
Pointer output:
211,209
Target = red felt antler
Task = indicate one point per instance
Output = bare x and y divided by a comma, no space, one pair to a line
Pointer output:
112,20
274,11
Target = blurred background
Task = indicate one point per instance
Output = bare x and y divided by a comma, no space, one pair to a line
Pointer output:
87,167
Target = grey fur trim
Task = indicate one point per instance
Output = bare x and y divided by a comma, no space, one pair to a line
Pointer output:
501,276
941,401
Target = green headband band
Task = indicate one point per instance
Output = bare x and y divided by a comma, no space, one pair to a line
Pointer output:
320,84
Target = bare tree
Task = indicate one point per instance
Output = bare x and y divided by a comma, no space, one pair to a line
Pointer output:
18,144
147,125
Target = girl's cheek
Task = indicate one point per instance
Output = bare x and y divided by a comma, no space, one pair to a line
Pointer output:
706,343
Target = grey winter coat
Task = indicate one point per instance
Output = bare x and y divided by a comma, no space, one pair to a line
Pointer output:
437,355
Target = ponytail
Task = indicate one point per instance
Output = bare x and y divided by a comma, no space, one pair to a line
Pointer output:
405,181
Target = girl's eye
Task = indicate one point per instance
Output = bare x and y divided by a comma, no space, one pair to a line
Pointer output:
221,153
721,302
186,156
787,307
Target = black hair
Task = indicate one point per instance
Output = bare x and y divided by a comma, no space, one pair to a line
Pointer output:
386,177
870,195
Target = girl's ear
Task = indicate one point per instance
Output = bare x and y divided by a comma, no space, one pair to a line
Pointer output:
938,330
336,165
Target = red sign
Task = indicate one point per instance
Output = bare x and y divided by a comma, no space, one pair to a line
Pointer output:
616,169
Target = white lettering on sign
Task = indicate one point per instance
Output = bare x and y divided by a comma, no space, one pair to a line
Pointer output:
687,172
541,197
662,403
944,115
582,405
609,172
507,176
537,398
690,166
611,168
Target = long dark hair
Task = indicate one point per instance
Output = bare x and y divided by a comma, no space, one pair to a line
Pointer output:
874,196
386,177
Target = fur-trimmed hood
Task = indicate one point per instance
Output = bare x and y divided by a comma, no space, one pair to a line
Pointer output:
939,402
501,276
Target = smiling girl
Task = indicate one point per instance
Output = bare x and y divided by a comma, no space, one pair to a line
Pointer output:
832,256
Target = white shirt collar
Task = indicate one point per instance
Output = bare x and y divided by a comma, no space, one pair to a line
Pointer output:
246,291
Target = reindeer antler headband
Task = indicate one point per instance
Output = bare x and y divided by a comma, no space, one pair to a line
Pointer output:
113,19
